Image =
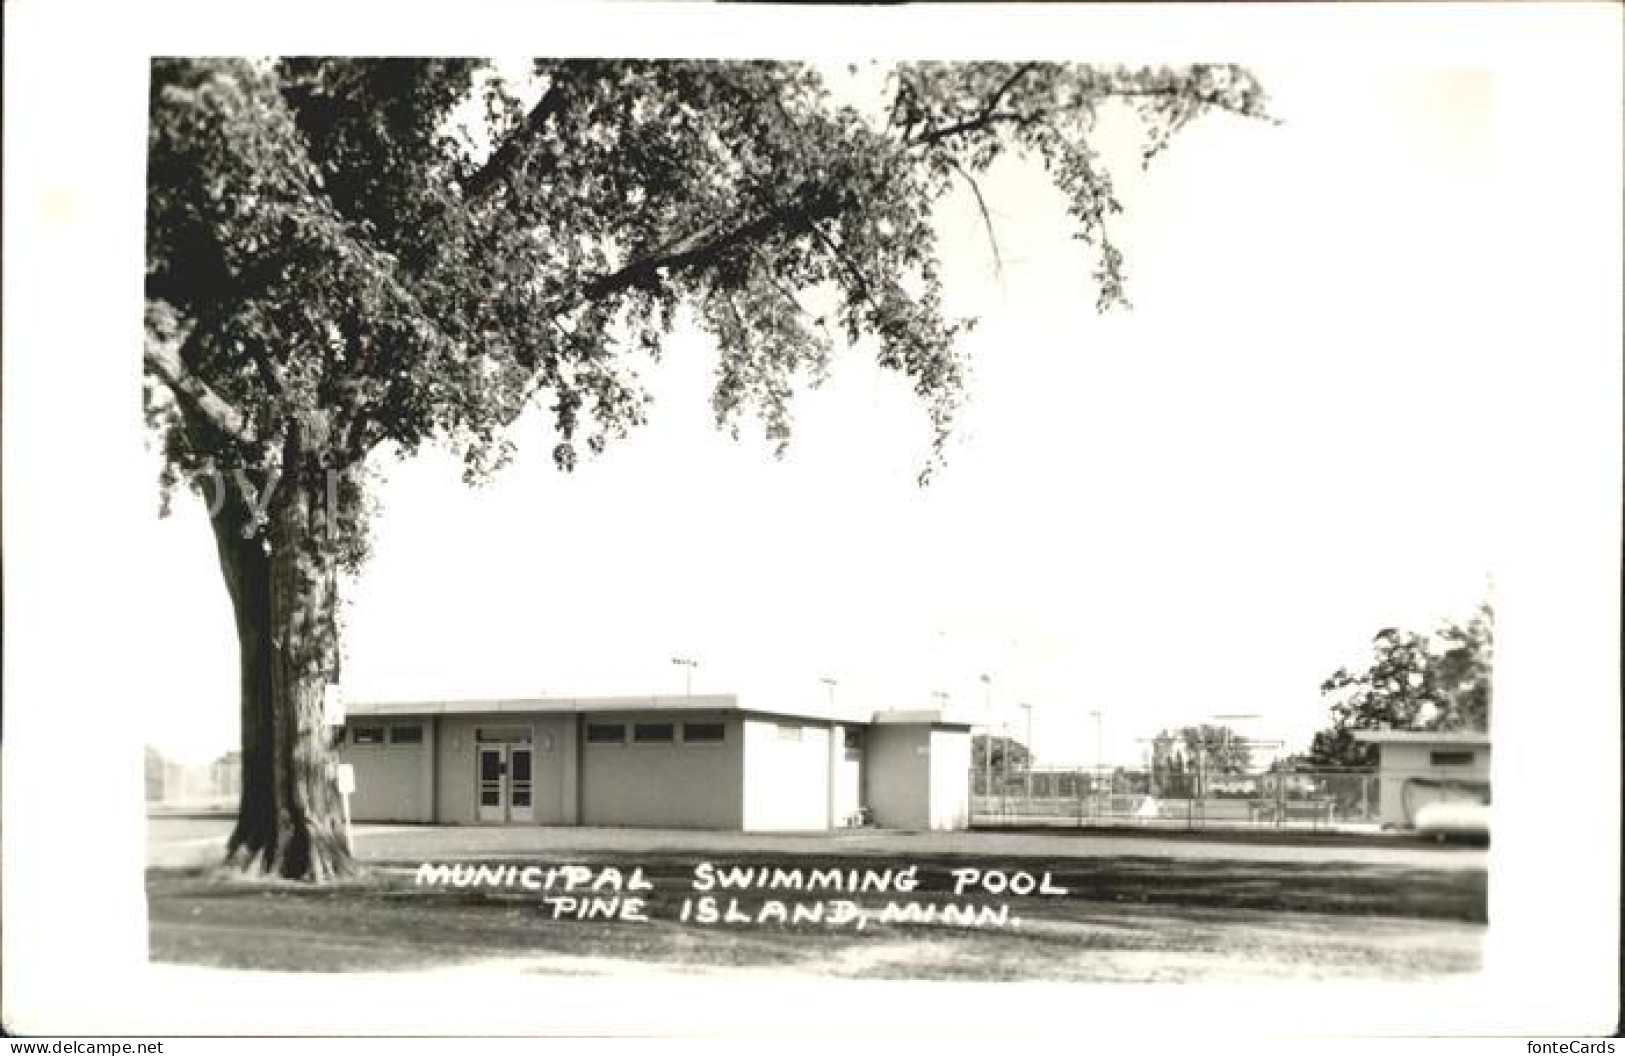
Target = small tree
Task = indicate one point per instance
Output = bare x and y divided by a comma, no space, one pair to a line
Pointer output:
335,267
999,754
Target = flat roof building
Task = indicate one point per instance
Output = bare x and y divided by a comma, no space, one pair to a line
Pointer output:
701,761
1417,767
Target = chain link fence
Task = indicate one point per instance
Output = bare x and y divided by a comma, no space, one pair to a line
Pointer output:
1296,798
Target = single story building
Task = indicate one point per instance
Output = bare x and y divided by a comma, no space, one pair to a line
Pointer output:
706,762
1417,767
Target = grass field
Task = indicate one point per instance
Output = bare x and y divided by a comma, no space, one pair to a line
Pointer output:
1162,915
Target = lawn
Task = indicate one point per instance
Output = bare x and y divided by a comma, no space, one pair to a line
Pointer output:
1121,918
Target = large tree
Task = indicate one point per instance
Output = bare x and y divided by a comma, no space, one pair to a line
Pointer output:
345,255
1438,681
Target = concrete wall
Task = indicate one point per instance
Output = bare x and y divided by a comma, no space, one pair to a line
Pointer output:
694,786
898,776
846,774
950,779
1399,763
553,767
392,781
787,779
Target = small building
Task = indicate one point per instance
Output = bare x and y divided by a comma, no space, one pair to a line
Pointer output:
1417,767
706,762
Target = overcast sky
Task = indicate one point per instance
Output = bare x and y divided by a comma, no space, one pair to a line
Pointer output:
1201,506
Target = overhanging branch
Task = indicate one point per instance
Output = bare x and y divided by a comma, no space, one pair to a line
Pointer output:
709,246
194,394
503,160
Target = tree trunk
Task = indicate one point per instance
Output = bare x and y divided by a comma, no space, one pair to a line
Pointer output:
283,583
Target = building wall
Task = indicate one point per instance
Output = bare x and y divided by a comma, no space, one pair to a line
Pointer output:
898,777
1398,763
392,781
696,786
846,773
950,778
553,767
786,776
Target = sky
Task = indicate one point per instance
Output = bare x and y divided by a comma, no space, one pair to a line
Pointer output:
1201,506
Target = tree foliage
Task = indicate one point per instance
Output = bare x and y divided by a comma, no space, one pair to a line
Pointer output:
999,753
1220,750
1438,681
329,245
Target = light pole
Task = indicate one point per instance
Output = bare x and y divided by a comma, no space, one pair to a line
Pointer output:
1099,756
1028,708
987,738
830,684
688,665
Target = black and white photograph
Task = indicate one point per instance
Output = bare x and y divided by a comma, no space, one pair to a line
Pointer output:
742,520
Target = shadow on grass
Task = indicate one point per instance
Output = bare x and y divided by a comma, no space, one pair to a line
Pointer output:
1231,884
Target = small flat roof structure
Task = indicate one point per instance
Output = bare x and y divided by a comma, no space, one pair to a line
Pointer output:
1467,737
1418,767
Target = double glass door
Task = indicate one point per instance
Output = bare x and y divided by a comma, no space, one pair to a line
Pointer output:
504,780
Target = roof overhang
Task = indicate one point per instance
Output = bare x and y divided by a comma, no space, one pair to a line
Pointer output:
1467,737
546,705
698,702
676,705
920,717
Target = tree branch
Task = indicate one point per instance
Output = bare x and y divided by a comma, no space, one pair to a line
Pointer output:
503,160
698,250
194,394
991,115
270,374
989,112
987,218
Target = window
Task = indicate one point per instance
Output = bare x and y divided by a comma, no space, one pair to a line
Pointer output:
502,735
788,732
606,733
703,733
653,733
852,738
366,735
406,735
1450,758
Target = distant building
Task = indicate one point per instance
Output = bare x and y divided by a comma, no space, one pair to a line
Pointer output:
1285,785
706,762
226,774
156,782
1416,767
1232,785
192,784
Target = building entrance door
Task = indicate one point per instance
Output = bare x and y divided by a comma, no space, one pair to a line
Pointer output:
504,776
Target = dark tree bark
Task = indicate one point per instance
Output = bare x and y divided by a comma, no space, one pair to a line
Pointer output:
283,584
